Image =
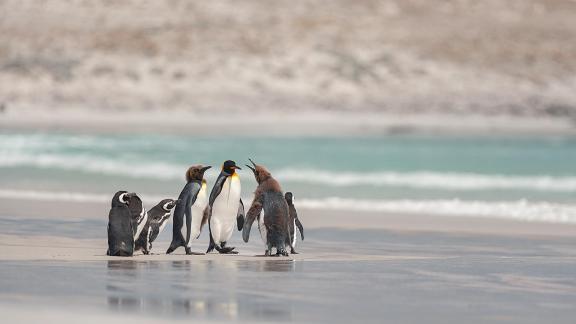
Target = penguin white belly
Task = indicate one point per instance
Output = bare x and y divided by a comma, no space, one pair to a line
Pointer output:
262,229
225,209
163,222
295,234
197,213
141,223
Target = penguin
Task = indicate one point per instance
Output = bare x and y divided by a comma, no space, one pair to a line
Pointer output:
293,222
120,226
138,215
188,213
158,216
224,207
268,198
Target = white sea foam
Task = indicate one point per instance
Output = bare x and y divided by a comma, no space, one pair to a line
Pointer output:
431,180
515,210
416,179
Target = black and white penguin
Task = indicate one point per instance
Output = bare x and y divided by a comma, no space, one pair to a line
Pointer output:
138,214
269,199
120,226
293,222
225,209
189,210
158,216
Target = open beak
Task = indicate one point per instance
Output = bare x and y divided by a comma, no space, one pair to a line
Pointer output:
206,168
251,168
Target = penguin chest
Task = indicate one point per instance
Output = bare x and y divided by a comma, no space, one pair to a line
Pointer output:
225,209
162,223
142,219
197,212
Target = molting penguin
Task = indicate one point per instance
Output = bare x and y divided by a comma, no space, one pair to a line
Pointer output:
158,216
293,222
188,213
269,198
138,215
224,208
120,226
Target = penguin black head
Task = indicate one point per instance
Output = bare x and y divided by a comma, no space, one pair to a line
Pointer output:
289,197
122,198
230,167
168,204
260,172
196,172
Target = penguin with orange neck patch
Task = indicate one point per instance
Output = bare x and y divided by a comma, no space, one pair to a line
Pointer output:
274,224
225,209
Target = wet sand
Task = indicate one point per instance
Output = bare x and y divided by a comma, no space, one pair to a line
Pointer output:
375,268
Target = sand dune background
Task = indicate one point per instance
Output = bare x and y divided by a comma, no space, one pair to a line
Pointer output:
511,58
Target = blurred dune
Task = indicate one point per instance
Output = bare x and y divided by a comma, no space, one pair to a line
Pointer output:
490,57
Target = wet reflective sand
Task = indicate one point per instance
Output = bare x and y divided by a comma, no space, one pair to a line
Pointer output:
375,276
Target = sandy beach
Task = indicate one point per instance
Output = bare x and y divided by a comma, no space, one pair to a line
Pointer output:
476,270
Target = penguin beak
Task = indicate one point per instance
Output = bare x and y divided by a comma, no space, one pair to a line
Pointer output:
251,168
254,164
206,168
130,194
236,167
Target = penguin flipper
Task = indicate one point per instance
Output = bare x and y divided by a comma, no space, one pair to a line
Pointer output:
240,216
300,228
253,213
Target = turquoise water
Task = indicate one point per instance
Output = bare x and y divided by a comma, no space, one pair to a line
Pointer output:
534,175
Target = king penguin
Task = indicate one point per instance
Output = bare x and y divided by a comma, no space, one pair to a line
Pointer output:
188,212
269,199
120,226
158,216
224,208
293,222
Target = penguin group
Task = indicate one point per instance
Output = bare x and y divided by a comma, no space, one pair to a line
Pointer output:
132,228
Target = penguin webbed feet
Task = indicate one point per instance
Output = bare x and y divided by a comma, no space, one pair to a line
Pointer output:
292,251
189,252
227,250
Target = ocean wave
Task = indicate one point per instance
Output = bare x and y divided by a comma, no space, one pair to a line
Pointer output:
136,168
431,180
514,210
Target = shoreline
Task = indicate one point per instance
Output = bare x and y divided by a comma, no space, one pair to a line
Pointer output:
294,124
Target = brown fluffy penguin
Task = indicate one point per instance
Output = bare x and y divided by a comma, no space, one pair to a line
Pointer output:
268,198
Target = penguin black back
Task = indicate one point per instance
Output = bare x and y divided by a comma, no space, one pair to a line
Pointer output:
120,231
182,219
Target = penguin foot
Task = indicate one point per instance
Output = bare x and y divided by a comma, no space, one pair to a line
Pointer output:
227,250
146,252
170,250
267,253
292,251
189,252
281,252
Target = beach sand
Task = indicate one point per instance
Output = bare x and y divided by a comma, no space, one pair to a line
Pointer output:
375,267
